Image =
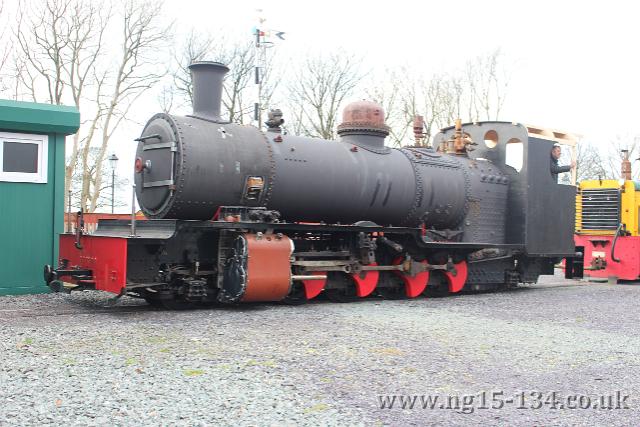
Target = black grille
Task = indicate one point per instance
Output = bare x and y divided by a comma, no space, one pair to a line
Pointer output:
600,209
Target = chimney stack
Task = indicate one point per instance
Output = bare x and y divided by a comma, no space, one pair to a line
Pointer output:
206,77
418,129
626,166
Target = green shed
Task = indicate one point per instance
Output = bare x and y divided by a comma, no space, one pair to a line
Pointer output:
32,140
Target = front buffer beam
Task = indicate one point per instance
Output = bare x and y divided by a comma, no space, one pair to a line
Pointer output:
100,263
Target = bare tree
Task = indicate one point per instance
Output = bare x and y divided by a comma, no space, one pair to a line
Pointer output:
42,42
105,194
452,100
479,92
612,158
436,98
59,43
167,98
141,36
196,47
319,87
605,162
241,64
433,99
239,56
390,95
63,52
5,51
441,98
487,80
320,84
589,163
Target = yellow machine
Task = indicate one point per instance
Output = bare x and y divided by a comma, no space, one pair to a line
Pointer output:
601,205
607,215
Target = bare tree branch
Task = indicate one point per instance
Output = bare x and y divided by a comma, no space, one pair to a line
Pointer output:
141,36
394,95
320,86
488,81
62,50
589,163
239,56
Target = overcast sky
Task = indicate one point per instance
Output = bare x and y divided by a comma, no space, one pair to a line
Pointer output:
575,65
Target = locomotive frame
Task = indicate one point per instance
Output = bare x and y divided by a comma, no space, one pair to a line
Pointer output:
393,222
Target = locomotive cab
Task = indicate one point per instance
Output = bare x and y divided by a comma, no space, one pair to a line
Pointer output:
538,216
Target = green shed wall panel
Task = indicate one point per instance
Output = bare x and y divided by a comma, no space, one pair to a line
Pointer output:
31,218
32,215
58,195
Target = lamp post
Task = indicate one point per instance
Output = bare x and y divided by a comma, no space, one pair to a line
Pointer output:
113,161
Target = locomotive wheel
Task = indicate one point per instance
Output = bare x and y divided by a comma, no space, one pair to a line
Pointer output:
56,286
396,289
438,286
296,297
153,302
341,295
392,293
346,292
170,303
436,292
177,304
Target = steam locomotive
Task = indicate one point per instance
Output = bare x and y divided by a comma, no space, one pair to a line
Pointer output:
237,214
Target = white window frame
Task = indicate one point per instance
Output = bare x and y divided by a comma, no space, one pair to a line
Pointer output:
39,177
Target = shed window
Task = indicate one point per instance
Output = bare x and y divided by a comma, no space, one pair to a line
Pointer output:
23,157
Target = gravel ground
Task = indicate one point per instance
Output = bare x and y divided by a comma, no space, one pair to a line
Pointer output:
69,360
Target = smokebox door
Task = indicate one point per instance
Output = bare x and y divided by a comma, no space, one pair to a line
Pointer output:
156,154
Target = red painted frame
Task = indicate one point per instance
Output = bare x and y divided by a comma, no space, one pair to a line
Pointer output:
627,251
106,257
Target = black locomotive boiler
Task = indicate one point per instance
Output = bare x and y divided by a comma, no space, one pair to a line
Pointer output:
237,214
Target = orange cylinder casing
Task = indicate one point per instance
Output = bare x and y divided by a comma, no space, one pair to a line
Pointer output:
268,268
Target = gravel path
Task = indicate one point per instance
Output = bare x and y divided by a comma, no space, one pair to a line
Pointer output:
68,360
